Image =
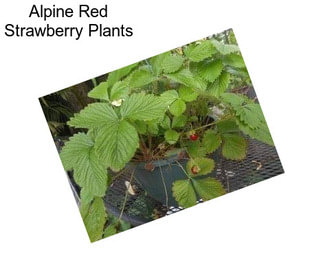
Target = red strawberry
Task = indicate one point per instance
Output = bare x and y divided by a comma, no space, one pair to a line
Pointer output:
194,137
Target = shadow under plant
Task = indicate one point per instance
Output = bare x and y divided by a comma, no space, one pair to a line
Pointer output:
161,135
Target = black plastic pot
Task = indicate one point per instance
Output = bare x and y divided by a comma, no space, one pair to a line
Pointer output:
158,182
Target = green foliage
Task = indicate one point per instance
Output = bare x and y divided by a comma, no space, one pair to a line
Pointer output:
187,94
184,194
89,171
211,141
100,92
153,107
171,136
234,146
95,219
200,51
178,107
140,106
208,188
205,166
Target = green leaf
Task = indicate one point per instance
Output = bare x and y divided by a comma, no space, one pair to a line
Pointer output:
227,126
119,90
156,63
171,136
169,96
178,107
233,99
95,115
95,219
234,147
198,52
187,94
188,79
211,70
205,165
251,115
184,194
141,78
110,230
89,172
261,133
100,92
116,75
172,63
195,149
153,128
179,122
225,49
208,188
140,126
117,145
211,141
165,124
220,85
234,60
139,106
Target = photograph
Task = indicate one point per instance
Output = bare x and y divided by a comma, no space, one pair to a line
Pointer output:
161,135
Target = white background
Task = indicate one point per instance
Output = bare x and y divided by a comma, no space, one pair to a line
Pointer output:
274,225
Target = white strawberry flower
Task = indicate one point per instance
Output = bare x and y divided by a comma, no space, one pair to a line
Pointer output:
117,102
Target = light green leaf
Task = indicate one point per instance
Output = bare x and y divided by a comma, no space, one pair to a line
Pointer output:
171,136
95,115
201,51
261,133
95,220
169,96
172,63
227,126
119,90
205,166
225,49
140,126
153,127
233,99
179,122
234,60
188,79
208,188
141,78
110,230
211,141
89,172
187,94
117,145
195,149
139,106
211,70
184,194
100,92
165,124
220,85
178,107
251,115
234,147
116,75
156,63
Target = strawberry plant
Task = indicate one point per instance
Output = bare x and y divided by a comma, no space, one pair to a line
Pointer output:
179,102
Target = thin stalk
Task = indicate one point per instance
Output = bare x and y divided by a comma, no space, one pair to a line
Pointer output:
126,196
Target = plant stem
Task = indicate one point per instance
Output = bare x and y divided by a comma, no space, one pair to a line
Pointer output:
126,196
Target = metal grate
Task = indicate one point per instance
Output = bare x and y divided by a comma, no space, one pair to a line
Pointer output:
133,204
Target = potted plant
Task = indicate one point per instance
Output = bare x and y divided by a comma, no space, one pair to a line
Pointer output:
166,119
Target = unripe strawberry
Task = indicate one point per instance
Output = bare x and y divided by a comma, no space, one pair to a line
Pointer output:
195,169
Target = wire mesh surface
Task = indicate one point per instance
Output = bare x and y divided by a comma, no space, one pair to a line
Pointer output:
261,162
126,199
